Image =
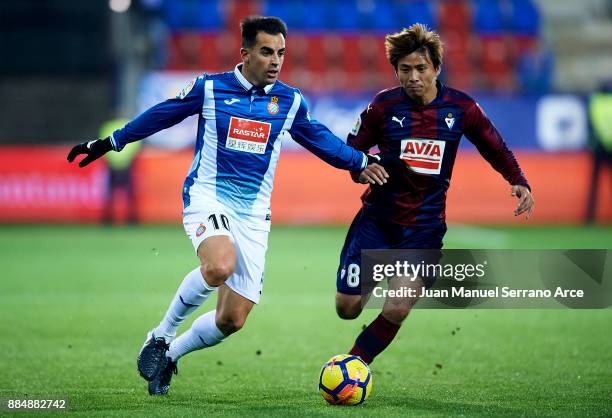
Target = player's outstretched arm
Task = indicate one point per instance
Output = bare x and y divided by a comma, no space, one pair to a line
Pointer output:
319,140
161,116
365,135
526,202
92,150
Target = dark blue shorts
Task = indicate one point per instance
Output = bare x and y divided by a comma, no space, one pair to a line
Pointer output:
368,233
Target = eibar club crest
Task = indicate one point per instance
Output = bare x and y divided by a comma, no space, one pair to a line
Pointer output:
450,120
273,107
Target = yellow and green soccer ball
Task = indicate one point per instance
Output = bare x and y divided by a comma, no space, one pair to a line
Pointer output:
345,380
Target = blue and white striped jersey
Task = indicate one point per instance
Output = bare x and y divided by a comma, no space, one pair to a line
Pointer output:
238,141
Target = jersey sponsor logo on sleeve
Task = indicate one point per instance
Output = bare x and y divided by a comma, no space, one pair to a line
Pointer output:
355,129
186,90
423,155
248,135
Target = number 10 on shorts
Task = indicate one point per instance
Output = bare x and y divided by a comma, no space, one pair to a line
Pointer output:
214,221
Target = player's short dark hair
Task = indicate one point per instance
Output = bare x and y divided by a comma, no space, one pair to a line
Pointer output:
416,38
250,26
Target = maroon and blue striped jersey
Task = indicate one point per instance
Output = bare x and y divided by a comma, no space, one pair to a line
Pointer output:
421,142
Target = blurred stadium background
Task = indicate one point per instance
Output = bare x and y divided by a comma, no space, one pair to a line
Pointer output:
68,68
76,300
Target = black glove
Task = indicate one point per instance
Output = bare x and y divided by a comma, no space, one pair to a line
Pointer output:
93,150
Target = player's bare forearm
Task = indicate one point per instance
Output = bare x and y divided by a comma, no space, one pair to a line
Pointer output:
526,201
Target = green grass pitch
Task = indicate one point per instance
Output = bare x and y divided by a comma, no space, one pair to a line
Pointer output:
76,302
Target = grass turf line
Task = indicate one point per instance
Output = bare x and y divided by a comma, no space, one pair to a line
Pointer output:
76,303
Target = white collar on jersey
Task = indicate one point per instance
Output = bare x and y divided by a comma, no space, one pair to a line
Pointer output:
246,83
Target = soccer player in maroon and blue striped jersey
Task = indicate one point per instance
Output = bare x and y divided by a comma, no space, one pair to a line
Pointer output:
417,127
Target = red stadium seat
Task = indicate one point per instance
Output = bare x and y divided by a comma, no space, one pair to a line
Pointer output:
225,46
522,44
457,64
196,51
459,76
337,79
333,48
210,53
352,54
377,72
315,54
295,56
495,61
454,16
236,10
185,51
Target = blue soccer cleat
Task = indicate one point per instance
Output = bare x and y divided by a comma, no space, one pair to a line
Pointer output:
161,383
152,357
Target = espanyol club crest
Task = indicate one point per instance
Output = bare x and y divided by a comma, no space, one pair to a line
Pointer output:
450,120
273,107
201,229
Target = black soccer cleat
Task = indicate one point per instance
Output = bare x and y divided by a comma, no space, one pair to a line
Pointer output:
161,383
152,357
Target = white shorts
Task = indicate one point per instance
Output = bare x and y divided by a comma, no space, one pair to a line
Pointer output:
251,245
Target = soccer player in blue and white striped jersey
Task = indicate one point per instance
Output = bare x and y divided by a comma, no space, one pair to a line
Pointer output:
243,115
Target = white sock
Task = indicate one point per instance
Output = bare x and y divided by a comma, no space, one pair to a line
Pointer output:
203,333
192,292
